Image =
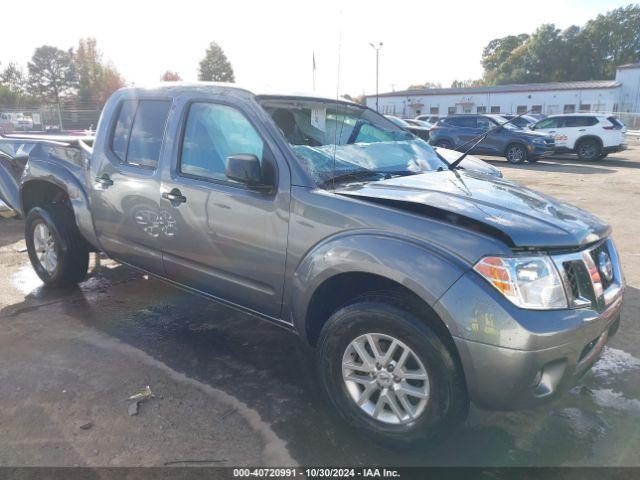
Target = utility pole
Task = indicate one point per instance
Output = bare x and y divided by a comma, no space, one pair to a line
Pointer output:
377,48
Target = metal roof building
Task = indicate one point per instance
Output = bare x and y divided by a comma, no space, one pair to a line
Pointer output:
619,95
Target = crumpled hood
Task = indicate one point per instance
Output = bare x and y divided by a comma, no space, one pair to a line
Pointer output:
514,213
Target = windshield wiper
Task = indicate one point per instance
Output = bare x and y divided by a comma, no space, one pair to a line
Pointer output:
363,174
453,165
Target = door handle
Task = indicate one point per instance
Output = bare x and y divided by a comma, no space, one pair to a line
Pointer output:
104,180
582,130
174,196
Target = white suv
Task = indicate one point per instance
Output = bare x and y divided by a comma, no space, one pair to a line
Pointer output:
591,136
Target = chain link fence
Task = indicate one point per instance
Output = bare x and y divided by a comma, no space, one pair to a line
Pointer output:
49,118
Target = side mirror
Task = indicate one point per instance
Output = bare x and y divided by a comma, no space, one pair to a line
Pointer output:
531,126
245,168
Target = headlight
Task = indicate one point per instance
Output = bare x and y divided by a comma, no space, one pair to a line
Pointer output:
529,282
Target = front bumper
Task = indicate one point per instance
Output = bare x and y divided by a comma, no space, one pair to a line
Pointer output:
540,151
515,358
506,379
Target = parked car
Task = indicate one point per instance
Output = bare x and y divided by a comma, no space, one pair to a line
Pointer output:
522,121
515,144
420,286
418,130
15,121
429,118
591,136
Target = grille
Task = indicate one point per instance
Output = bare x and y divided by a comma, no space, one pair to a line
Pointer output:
581,281
594,254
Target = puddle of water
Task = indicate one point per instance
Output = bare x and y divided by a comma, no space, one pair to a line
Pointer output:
613,362
25,280
608,398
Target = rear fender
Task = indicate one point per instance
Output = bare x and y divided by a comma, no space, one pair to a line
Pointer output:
61,177
10,171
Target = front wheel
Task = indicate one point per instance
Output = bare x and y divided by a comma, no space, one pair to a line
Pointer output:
516,153
389,375
57,251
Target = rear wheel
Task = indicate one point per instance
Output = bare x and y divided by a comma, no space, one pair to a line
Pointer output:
515,153
57,251
389,374
589,150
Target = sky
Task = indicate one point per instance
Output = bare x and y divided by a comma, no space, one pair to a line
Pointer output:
271,43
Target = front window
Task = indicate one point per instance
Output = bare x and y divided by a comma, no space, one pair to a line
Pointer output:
335,140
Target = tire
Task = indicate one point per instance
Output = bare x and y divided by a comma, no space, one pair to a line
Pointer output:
57,251
515,153
589,150
444,144
387,318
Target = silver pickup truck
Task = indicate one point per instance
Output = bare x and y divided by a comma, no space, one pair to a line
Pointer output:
421,283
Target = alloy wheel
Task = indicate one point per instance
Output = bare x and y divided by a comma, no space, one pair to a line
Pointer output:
515,154
385,378
45,247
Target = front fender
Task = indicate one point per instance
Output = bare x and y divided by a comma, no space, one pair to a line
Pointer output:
422,269
62,177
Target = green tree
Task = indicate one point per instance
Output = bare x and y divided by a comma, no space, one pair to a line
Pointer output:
467,83
215,67
12,78
613,39
591,52
52,73
427,84
497,51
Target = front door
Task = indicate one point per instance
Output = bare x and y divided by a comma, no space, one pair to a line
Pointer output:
125,193
227,240
552,126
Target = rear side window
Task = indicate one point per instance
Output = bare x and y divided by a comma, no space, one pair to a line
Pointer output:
616,123
580,121
464,122
121,133
139,130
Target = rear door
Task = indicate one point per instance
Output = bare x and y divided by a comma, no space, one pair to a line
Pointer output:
576,127
494,143
125,194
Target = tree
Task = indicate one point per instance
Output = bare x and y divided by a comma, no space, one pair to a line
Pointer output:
422,86
96,80
467,83
170,76
498,50
215,66
550,55
613,39
52,73
13,78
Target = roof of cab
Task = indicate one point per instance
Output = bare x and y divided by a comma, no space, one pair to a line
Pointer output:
175,88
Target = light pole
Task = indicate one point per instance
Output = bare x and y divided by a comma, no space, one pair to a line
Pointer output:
377,49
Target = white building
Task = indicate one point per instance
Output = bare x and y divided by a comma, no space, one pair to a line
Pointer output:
619,95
